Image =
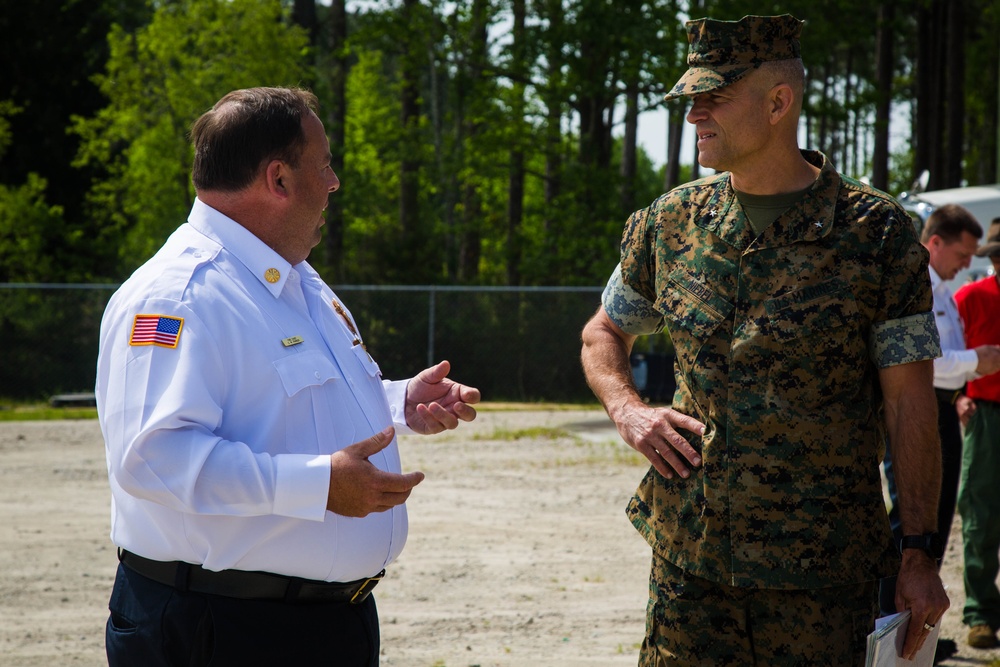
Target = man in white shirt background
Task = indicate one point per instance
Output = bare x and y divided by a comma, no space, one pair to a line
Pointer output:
257,492
951,236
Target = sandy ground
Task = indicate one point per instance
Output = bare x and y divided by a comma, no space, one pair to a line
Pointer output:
519,551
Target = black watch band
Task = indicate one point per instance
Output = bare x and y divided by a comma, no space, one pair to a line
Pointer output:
929,543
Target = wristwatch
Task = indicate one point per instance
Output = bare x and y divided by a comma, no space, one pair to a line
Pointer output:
929,543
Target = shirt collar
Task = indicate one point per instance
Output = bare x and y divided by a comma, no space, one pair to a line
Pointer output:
270,268
809,219
935,278
938,286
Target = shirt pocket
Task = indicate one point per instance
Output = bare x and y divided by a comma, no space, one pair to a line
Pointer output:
819,310
818,352
694,312
308,368
307,378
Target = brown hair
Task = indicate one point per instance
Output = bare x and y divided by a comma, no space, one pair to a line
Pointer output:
948,222
244,131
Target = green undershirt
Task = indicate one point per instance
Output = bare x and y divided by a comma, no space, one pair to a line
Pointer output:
763,210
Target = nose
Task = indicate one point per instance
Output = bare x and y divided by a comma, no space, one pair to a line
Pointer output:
334,182
696,112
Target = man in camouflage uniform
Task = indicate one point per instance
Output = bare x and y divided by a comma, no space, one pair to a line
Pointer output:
800,311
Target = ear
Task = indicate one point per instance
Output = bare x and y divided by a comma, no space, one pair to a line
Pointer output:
780,100
275,176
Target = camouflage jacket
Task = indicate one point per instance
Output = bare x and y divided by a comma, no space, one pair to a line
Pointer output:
778,342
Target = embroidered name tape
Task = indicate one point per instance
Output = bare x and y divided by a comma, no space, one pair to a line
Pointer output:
161,330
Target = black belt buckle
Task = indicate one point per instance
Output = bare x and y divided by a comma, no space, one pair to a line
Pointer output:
365,589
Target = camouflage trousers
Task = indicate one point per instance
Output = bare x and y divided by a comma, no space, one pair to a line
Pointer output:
694,622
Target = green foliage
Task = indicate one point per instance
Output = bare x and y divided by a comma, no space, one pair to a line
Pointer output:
370,186
158,80
7,109
488,101
49,339
30,231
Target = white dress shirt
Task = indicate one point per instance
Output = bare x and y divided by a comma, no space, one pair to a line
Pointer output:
956,365
218,448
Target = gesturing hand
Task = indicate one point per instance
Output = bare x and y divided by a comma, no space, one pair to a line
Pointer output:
435,403
358,488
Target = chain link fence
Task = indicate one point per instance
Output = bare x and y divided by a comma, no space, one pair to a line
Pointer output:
515,344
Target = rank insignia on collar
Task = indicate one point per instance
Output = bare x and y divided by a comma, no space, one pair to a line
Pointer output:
160,330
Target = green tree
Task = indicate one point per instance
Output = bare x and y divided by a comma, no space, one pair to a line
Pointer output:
32,231
158,80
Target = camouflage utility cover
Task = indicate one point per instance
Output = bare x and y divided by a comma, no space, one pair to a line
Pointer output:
723,52
778,343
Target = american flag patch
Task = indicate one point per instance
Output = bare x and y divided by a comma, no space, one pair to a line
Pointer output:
161,330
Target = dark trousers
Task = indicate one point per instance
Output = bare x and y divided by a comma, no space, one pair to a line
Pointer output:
154,625
950,431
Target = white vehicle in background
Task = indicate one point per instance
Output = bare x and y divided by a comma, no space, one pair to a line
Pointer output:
983,201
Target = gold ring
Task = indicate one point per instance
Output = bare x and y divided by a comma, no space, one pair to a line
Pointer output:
928,627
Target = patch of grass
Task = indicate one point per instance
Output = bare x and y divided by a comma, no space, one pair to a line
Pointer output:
43,412
536,432
501,406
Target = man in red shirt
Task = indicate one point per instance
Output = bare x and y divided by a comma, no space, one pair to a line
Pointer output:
979,411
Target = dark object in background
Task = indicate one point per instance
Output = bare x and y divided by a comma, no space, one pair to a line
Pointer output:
654,376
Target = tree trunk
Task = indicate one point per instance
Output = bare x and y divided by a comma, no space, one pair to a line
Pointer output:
845,161
515,187
931,24
470,245
822,133
883,85
954,94
409,171
304,14
629,165
336,119
554,105
675,132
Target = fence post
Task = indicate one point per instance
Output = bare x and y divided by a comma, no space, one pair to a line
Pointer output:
430,325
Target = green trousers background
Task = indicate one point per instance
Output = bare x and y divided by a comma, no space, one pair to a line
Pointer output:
979,506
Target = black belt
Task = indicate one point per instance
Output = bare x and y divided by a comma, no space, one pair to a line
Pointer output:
948,396
248,585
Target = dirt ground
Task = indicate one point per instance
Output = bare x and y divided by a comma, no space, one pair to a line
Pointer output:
519,551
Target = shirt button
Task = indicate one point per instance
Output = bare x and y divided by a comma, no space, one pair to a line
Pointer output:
316,374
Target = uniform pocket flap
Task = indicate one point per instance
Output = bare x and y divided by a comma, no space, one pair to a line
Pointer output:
309,368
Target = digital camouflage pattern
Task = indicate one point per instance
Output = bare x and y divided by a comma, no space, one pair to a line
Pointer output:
632,311
696,623
722,52
778,342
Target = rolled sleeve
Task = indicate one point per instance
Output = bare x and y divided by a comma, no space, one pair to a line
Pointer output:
629,309
905,340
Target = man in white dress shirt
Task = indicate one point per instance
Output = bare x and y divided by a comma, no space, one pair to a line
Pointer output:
257,492
951,236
